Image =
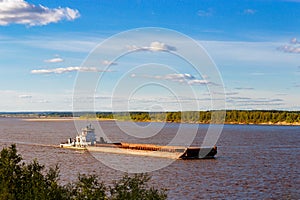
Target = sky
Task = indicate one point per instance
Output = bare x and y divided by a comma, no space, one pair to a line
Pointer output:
50,51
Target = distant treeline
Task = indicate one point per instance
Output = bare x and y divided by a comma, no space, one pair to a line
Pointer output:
36,114
232,116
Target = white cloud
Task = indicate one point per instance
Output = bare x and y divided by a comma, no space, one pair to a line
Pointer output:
205,13
160,46
107,62
62,70
289,49
22,12
248,102
54,60
244,88
293,47
133,75
294,41
179,78
42,101
25,96
249,11
154,46
188,78
198,82
226,93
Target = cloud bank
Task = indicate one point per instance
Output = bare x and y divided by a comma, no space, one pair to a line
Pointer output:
22,12
54,60
62,70
179,78
154,46
293,47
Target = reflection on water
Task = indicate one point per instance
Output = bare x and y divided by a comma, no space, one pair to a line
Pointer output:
253,162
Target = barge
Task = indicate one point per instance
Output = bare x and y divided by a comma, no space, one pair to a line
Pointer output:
86,140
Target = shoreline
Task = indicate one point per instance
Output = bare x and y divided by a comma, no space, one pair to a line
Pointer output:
61,119
108,119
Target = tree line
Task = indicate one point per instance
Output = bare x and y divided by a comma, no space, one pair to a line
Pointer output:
33,182
230,116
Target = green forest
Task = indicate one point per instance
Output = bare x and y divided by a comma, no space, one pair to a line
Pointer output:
230,116
31,181
205,117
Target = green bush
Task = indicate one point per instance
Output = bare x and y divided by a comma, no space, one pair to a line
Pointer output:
135,188
31,181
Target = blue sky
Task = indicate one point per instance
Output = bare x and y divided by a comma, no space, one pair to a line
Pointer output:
254,44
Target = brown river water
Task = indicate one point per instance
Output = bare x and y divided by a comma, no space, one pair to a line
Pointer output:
253,162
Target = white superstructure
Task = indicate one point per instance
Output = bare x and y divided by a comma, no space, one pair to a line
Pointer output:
86,138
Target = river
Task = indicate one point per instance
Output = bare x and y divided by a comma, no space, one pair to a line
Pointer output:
253,161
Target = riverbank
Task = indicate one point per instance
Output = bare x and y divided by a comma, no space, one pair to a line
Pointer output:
148,121
268,124
48,119
63,119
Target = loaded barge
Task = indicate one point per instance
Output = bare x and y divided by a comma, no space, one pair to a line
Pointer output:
86,140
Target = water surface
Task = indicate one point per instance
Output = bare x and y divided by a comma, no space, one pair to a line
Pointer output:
253,162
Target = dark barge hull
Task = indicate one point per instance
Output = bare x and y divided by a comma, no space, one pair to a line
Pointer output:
201,153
